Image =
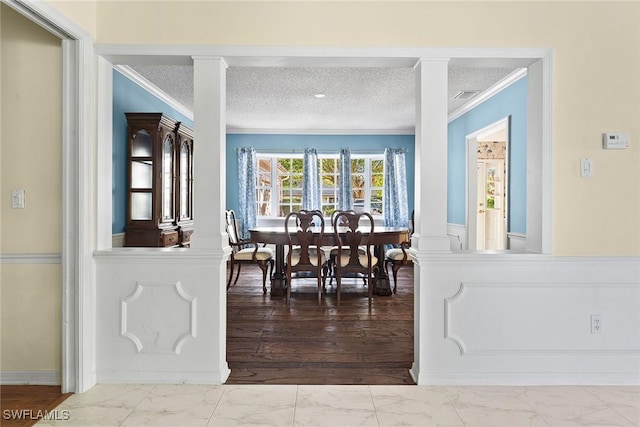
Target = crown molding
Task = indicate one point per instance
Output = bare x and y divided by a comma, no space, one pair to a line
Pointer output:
145,84
244,131
493,90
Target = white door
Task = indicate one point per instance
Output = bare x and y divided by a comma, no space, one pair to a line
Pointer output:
491,205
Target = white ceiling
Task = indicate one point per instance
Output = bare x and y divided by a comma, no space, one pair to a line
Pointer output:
357,98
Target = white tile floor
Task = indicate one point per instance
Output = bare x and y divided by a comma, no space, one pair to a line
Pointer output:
307,405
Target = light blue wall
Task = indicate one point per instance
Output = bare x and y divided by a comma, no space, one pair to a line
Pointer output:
371,144
512,103
128,97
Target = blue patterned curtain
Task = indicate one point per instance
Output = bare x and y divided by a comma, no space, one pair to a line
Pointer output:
247,209
345,192
396,204
310,180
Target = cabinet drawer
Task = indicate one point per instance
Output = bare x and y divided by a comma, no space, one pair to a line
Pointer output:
169,239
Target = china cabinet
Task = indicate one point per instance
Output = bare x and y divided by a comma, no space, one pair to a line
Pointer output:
159,181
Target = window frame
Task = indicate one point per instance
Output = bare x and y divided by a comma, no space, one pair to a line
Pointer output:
274,189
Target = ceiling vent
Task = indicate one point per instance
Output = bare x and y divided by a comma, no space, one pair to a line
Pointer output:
466,94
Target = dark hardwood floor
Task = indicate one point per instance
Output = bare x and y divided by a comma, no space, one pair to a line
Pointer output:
269,342
24,405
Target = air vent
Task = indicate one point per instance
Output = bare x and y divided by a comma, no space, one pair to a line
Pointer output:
465,94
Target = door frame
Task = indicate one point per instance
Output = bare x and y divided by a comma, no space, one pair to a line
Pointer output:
471,199
78,275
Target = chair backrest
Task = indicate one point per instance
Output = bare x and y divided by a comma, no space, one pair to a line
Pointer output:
307,222
231,227
336,212
349,237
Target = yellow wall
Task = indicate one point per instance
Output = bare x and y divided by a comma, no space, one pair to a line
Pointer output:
30,142
596,86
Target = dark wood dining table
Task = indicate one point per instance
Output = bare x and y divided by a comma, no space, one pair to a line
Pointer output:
381,236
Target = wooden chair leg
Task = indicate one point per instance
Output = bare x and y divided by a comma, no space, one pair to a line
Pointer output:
394,269
263,267
320,285
230,274
238,276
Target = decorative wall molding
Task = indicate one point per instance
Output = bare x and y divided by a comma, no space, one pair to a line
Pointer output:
151,317
154,90
30,377
31,258
159,256
596,288
403,131
496,88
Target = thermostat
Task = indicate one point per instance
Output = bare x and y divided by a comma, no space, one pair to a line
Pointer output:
615,141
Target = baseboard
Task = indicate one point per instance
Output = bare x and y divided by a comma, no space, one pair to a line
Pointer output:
533,378
162,377
117,240
30,377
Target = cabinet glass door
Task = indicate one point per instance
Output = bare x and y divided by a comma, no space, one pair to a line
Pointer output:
185,187
141,206
167,178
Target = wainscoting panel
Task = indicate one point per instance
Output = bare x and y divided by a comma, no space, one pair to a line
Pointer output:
539,318
526,319
160,316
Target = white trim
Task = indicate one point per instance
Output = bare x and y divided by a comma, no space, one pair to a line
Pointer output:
517,236
493,90
301,56
54,258
547,152
30,377
162,377
49,18
117,240
339,132
532,379
154,90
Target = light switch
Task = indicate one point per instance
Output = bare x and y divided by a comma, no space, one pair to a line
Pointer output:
17,199
586,168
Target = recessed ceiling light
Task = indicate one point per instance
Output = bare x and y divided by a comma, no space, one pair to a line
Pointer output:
319,95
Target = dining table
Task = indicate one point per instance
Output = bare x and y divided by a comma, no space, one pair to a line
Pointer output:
278,237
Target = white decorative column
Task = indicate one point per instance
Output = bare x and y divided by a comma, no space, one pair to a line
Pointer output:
431,156
430,235
209,168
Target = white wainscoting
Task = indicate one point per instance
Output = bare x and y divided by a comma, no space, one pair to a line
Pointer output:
482,318
161,316
526,319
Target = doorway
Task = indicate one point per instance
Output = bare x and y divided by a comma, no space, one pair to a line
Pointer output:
487,206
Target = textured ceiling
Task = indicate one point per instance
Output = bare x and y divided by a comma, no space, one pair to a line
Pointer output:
282,98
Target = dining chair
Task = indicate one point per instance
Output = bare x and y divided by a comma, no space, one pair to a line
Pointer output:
304,253
398,256
333,250
349,238
246,252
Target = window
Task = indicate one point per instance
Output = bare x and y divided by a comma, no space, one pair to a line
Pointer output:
279,186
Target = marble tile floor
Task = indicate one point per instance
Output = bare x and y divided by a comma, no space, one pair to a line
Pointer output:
351,405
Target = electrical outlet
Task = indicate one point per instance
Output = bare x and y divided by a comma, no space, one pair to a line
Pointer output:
596,323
